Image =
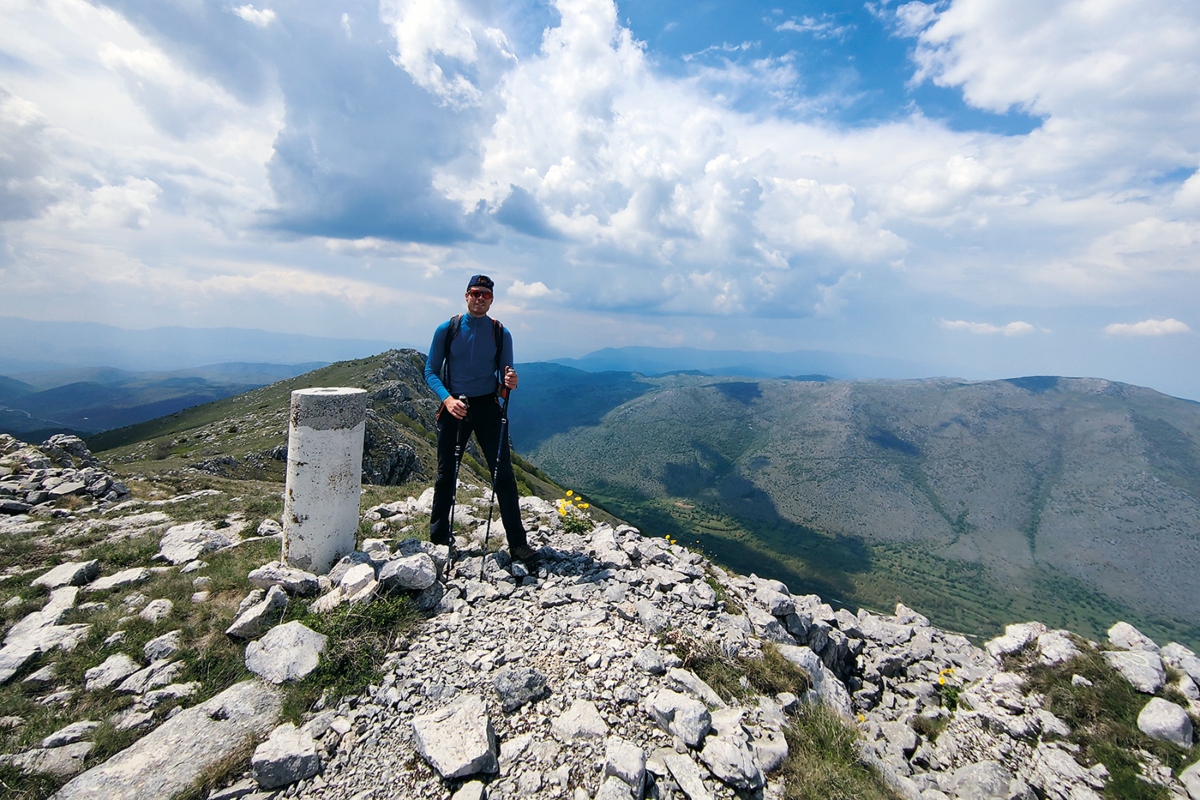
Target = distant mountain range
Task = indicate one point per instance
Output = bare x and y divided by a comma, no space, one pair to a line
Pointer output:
1074,501
88,400
745,363
29,345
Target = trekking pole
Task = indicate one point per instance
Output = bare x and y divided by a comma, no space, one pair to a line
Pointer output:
496,464
458,454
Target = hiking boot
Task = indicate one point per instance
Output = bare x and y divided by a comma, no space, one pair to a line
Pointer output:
524,552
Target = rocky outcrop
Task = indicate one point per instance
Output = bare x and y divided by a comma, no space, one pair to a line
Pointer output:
388,460
185,749
33,479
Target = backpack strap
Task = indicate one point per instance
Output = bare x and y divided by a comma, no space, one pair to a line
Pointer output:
451,331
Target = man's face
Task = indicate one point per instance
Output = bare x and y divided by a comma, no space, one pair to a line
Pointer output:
479,300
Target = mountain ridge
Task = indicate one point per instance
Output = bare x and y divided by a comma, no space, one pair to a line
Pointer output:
1050,483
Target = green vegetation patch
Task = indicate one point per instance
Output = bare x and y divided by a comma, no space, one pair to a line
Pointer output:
360,638
822,762
1103,720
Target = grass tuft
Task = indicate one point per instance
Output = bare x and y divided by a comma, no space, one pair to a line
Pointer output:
1103,720
823,763
360,638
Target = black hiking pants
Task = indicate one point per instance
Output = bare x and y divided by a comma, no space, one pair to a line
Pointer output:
483,419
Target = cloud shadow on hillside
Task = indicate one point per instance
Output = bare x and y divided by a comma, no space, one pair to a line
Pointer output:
557,398
829,561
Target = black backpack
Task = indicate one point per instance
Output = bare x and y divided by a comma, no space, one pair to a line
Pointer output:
452,331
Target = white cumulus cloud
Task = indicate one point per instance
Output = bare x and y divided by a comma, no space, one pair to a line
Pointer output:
535,291
1017,328
1148,327
824,27
258,17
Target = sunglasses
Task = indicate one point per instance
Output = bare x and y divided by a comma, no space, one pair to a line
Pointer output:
479,293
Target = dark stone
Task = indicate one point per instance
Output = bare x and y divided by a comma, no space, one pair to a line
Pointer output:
517,686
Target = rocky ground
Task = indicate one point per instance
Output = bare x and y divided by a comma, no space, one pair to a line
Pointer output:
592,674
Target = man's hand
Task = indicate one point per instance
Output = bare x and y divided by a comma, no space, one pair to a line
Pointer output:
456,408
510,378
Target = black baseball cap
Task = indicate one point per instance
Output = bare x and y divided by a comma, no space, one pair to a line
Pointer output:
481,280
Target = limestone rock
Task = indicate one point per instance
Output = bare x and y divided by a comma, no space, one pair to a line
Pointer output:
291,580
826,687
184,750
286,653
986,780
347,562
1055,647
1122,634
287,756
730,759
649,659
457,740
776,603
157,610
112,671
652,616
70,734
1162,719
1015,638
357,578
882,631
1182,659
416,572
581,721
159,673
163,646
1056,774
187,542
126,577
1190,778
680,715
470,791
1142,668
169,693
40,632
42,679
62,762
627,762
686,681
74,573
685,772
251,623
770,750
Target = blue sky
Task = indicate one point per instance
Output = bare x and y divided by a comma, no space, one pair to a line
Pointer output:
988,187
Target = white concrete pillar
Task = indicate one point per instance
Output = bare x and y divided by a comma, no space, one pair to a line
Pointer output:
324,476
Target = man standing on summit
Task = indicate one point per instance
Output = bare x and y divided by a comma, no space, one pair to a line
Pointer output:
471,357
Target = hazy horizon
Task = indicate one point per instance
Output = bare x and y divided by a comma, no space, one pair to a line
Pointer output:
233,343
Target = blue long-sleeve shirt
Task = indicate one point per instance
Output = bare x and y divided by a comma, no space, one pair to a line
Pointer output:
472,358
